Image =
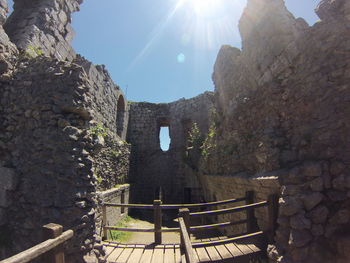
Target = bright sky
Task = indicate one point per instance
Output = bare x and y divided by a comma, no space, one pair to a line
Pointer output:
163,50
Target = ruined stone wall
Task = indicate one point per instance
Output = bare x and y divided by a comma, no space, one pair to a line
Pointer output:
120,195
44,25
283,103
51,149
223,187
150,166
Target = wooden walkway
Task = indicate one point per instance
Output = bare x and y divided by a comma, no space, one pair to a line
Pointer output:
139,253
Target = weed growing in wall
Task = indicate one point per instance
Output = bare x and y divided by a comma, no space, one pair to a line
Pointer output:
31,52
209,143
98,130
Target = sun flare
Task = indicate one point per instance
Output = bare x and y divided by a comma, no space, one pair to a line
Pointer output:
207,8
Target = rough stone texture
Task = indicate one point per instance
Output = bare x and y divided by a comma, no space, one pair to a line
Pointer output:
119,194
219,187
45,25
283,103
48,145
150,166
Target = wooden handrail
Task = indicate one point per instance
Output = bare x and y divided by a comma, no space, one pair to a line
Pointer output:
230,210
186,242
176,206
226,240
213,226
40,249
140,206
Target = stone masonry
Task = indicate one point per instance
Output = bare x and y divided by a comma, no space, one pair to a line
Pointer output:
283,106
44,25
150,166
63,126
277,123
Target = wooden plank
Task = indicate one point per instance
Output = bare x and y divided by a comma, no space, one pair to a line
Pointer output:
227,240
186,242
244,248
39,249
223,251
169,254
147,256
235,251
115,254
213,254
177,254
158,254
202,254
254,248
109,250
124,256
136,254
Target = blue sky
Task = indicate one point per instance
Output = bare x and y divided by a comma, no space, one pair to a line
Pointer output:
158,53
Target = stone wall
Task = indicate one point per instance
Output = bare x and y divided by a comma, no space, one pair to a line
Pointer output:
219,187
150,166
120,195
283,104
44,25
49,143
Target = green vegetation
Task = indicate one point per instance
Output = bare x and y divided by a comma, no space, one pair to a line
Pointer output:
121,236
209,143
31,52
98,130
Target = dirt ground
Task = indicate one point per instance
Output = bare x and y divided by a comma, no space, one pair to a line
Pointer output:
148,238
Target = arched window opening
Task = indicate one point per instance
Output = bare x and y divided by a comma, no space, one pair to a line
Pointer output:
120,115
164,134
164,138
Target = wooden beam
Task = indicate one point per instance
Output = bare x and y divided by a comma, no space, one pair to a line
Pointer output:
157,221
230,210
40,249
227,240
213,226
186,242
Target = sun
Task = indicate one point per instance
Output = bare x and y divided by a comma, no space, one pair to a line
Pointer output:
206,9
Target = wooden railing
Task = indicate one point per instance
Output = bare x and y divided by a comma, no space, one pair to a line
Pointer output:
51,250
157,208
186,229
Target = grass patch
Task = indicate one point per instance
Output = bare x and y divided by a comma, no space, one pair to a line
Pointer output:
121,236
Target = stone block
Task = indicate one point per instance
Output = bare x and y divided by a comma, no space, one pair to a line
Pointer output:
299,238
3,198
312,200
319,214
8,178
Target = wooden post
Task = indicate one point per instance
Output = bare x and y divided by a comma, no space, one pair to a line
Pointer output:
273,214
122,201
185,214
56,255
157,221
251,224
104,222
